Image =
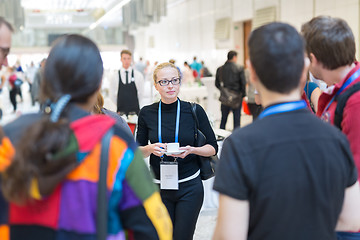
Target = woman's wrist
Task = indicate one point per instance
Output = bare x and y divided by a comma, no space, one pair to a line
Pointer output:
145,150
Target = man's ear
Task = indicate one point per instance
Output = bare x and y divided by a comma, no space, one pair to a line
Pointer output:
313,59
305,71
253,76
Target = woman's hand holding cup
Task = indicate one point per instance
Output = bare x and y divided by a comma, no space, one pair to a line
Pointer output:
158,149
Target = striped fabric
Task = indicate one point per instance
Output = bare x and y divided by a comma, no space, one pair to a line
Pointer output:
135,207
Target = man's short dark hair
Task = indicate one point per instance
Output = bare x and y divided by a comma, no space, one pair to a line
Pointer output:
231,55
6,23
330,40
277,55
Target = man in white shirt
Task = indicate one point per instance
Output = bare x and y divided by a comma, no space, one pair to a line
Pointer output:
126,89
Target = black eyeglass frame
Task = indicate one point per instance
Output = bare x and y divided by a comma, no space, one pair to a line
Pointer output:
165,82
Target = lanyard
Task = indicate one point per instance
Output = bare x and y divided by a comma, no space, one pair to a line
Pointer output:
347,83
177,122
283,107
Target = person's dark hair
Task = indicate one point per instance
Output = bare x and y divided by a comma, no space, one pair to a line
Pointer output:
6,23
277,55
330,40
231,55
73,71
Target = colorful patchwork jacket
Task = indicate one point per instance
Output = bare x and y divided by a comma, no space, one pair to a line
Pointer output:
135,209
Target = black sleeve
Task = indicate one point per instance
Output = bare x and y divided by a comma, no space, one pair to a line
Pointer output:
135,220
230,176
205,127
217,78
242,81
142,137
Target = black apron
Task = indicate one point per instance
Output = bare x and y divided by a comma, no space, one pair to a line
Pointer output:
127,98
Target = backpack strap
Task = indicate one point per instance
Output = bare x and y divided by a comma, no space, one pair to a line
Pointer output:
341,102
102,205
193,111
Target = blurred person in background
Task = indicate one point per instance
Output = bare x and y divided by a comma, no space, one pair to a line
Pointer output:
141,66
196,66
232,77
188,77
205,72
100,109
127,88
30,76
39,77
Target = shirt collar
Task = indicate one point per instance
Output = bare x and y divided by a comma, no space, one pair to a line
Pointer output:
123,69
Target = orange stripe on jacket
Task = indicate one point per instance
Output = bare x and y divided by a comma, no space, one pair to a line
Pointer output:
89,168
117,149
7,152
4,232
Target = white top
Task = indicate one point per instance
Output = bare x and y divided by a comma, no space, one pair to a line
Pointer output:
139,83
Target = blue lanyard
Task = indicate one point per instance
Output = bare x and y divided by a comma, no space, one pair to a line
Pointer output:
177,122
283,107
347,83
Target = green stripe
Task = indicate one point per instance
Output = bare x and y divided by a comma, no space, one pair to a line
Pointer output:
139,178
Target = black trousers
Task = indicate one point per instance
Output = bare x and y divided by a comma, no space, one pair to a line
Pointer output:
184,207
13,92
225,110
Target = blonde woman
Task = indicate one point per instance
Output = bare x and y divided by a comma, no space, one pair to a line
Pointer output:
177,173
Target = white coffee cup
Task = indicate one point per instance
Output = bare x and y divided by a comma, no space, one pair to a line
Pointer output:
172,147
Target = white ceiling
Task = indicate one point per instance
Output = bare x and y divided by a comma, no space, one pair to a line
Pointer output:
69,13
71,5
37,21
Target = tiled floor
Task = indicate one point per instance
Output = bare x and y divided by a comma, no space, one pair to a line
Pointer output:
206,224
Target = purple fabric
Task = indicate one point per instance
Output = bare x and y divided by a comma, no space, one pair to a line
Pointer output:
78,207
119,236
129,199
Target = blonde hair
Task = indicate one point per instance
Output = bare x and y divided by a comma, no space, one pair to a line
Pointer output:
99,104
162,66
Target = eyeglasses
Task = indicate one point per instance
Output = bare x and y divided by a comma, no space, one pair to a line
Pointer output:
165,82
4,51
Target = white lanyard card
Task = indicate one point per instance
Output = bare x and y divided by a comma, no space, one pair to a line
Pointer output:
169,176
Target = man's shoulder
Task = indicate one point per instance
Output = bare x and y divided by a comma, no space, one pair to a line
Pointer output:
301,122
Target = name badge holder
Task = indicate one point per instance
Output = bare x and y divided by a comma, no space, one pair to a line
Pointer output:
169,175
169,171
